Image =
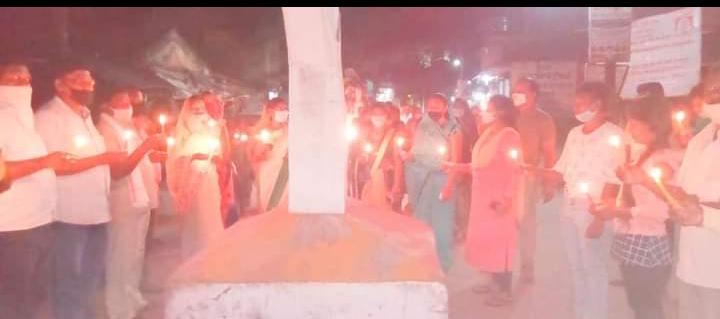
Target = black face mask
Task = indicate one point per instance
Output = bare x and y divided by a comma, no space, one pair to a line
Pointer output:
83,97
436,116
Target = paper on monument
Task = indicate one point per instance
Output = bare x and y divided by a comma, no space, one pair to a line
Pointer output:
317,147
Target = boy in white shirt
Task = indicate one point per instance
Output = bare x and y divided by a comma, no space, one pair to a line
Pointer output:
587,165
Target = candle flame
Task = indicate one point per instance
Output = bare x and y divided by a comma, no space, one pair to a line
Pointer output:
368,148
584,187
514,154
442,149
212,123
680,116
351,132
80,140
615,141
656,174
264,136
170,141
400,141
128,134
162,119
213,144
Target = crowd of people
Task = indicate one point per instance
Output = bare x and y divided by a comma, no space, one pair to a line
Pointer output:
80,180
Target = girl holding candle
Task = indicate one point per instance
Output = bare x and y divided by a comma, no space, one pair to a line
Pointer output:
192,175
267,151
424,177
642,245
493,221
588,159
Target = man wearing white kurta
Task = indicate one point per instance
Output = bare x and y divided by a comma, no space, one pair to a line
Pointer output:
698,265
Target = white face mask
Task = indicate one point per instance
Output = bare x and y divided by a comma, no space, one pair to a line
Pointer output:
487,117
377,121
123,115
519,99
18,99
405,118
712,111
586,116
281,116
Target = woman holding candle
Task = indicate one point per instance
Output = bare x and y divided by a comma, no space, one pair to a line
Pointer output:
375,173
130,200
641,244
588,158
437,138
493,221
192,175
267,151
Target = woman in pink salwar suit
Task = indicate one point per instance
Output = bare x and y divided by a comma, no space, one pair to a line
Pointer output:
493,222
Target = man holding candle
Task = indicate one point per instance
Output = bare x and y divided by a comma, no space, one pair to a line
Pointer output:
538,134
437,138
27,199
133,191
698,261
587,169
83,211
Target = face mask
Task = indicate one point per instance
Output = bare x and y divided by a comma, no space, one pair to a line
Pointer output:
281,116
712,111
123,115
85,98
435,116
377,121
487,117
405,118
586,116
458,113
198,122
18,99
519,99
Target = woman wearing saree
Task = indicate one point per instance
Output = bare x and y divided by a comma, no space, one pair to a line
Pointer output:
268,154
198,150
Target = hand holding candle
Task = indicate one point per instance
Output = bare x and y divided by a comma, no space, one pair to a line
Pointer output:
442,150
400,141
162,119
615,141
80,141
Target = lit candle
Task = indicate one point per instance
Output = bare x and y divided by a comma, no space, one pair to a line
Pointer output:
351,132
368,148
80,141
212,123
162,119
584,188
236,135
656,174
514,154
170,141
400,141
615,141
680,116
127,136
213,146
442,150
264,136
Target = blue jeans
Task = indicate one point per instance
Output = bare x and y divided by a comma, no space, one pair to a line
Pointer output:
79,268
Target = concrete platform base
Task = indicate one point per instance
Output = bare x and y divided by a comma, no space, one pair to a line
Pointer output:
366,263
410,300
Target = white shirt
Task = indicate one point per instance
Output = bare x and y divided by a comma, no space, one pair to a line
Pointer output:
82,197
31,200
590,159
699,174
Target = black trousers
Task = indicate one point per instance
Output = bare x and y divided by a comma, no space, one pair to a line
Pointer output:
645,287
25,271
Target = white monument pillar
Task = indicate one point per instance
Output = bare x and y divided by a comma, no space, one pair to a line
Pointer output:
317,147
320,257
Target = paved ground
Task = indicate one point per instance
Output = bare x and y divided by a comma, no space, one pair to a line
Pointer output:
549,298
